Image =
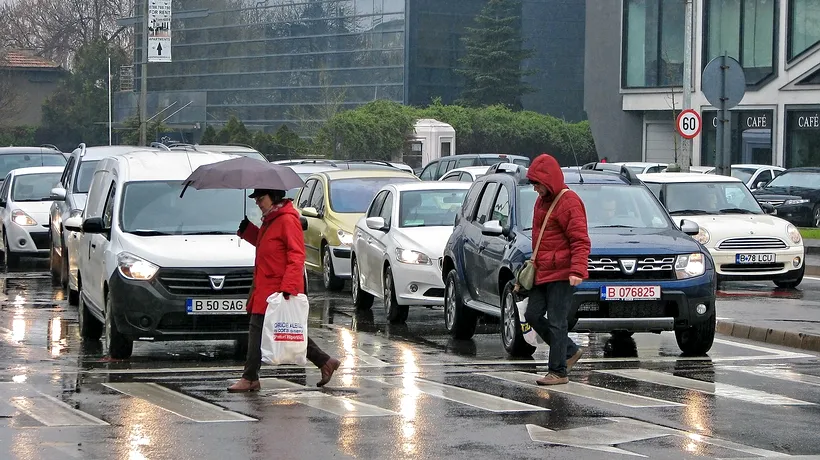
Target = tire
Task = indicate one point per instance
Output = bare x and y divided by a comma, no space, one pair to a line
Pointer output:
815,216
64,267
512,338
11,259
459,319
361,299
792,283
119,346
53,266
396,314
697,340
331,281
621,334
73,297
90,327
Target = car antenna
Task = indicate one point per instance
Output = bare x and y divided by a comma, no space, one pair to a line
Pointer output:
572,150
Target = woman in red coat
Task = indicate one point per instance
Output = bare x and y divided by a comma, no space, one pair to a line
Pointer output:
279,267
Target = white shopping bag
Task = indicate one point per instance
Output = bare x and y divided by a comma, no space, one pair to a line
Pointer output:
530,336
284,333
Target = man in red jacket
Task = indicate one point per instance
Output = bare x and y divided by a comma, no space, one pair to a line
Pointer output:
279,267
560,265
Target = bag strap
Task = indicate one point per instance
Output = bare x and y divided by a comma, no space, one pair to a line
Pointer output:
544,224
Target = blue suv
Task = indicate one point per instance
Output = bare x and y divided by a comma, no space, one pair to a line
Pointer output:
646,274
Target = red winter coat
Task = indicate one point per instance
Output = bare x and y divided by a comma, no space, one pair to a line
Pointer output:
565,245
280,256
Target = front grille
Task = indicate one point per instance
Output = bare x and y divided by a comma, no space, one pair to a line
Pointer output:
195,282
40,240
773,202
745,268
753,243
181,322
623,309
645,268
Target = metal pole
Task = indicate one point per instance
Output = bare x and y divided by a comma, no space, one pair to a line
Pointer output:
144,77
686,147
109,100
724,140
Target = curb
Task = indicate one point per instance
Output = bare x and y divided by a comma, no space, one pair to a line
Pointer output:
810,342
812,250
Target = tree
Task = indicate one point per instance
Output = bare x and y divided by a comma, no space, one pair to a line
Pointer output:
208,136
234,132
131,135
492,70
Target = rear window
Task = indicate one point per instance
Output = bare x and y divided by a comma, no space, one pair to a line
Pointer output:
11,161
355,195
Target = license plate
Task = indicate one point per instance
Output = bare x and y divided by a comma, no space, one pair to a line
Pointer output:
215,306
754,258
630,292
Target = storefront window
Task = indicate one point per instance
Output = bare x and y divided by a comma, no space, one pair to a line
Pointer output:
653,43
751,137
802,138
804,25
744,29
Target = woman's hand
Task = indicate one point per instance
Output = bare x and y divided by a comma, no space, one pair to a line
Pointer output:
574,280
244,224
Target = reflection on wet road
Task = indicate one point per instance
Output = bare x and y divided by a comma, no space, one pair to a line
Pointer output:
404,391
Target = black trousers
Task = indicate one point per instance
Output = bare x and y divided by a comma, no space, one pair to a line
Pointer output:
253,362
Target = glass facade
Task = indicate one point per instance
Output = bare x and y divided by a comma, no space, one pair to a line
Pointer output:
751,137
802,137
804,26
653,43
745,30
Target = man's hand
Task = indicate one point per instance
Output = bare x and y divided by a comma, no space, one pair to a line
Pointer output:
574,280
243,225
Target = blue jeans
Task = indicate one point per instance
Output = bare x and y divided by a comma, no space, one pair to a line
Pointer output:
554,299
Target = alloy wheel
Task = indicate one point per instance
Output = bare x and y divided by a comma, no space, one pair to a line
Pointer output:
509,320
326,268
388,293
354,286
450,305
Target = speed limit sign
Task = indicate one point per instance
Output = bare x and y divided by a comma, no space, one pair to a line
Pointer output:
688,124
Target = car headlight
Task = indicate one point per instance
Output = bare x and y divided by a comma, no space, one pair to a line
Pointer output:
408,256
345,238
794,234
21,218
689,265
135,268
792,202
703,236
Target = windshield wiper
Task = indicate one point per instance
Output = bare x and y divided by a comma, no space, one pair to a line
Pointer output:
149,233
737,211
699,212
614,226
215,232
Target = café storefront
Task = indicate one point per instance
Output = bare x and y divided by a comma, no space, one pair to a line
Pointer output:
802,136
751,137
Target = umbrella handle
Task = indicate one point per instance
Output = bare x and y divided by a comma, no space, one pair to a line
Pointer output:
184,188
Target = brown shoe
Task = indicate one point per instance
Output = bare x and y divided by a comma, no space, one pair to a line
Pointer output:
574,358
552,379
244,386
327,371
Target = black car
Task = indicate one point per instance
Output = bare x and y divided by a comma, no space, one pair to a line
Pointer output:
646,274
795,194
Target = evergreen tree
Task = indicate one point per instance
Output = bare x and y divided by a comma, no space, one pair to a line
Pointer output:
208,136
495,53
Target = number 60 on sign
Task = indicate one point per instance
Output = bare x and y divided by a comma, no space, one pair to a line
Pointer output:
688,124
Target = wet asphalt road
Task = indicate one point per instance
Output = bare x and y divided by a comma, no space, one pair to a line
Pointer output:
402,391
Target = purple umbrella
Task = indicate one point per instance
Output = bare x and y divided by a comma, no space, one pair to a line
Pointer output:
243,173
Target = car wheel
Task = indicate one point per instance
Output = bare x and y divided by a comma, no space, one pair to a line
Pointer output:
64,267
511,335
90,327
396,313
816,216
794,282
361,299
697,340
53,265
459,319
73,297
119,346
331,281
11,259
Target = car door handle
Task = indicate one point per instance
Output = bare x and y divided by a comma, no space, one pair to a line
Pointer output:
369,239
93,245
481,247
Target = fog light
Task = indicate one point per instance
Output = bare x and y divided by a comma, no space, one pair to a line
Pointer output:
701,309
145,321
413,288
22,242
796,262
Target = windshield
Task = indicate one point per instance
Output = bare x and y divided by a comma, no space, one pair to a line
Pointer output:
85,175
803,179
27,160
155,208
710,198
34,187
355,195
430,208
743,174
621,206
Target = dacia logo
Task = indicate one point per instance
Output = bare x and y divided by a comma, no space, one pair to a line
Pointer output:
217,282
628,266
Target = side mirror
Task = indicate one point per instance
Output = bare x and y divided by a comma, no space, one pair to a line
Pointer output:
310,211
689,227
376,223
94,225
73,224
492,228
768,208
57,194
303,222
760,184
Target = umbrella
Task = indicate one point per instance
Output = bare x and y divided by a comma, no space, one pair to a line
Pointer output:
243,173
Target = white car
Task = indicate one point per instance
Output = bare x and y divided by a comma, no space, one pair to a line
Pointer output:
399,244
25,199
642,167
744,240
754,176
465,174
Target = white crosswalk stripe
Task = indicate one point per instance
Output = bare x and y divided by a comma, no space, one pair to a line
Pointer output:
776,372
178,403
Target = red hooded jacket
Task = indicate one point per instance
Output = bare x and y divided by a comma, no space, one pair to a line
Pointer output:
565,245
280,256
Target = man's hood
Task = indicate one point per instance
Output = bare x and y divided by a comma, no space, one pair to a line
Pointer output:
546,170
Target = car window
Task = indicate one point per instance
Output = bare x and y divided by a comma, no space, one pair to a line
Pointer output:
486,205
621,206
376,205
501,208
466,177
108,211
65,179
655,189
804,179
462,162
654,169
26,160
526,205
386,212
447,166
355,194
452,177
430,208
84,174
34,187
764,176
4,191
744,174
317,199
710,198
304,195
429,171
467,208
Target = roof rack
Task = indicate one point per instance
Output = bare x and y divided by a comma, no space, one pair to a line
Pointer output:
82,149
507,168
621,170
160,145
50,146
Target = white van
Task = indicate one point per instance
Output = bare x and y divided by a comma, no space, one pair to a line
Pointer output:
154,266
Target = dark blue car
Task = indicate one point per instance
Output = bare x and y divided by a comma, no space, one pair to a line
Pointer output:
646,274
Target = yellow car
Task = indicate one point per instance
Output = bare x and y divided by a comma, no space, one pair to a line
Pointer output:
332,202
